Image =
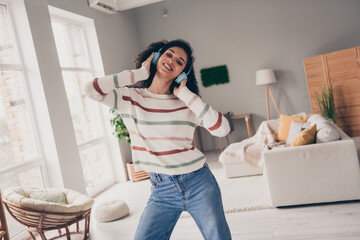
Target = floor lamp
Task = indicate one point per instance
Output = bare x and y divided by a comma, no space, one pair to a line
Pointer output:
267,76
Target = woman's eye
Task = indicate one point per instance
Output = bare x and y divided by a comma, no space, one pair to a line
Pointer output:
180,63
168,54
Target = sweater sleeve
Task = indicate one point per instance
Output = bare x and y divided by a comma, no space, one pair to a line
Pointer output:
210,119
109,89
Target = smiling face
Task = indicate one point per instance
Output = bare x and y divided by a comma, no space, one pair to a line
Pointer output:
172,62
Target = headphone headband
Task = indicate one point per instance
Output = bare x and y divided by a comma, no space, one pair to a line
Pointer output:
189,70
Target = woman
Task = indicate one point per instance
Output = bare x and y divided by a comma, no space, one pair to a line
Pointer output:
161,117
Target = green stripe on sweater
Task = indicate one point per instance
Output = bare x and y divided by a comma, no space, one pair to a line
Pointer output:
116,82
204,111
170,166
123,115
115,99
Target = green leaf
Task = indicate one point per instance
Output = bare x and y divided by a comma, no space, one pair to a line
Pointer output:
119,128
326,103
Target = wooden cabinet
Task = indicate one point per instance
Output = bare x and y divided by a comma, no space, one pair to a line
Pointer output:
341,70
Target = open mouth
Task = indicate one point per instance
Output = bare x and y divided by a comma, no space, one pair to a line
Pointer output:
167,66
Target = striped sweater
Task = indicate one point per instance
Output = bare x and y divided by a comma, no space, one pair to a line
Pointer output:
161,126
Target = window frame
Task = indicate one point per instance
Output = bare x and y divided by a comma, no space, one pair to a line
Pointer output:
65,17
39,161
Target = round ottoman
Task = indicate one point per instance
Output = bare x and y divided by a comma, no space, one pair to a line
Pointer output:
111,210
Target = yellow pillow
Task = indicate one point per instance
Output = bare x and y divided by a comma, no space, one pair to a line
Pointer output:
285,122
307,136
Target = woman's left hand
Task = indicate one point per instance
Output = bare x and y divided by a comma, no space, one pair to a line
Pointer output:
147,62
177,89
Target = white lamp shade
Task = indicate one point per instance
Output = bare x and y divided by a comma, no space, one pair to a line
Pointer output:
265,76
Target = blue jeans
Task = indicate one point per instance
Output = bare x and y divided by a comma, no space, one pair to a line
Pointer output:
196,192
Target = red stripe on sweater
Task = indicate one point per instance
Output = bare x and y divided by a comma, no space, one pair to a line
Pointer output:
217,124
97,88
132,77
162,153
192,101
126,98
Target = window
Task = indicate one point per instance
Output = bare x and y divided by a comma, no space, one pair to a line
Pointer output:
75,60
21,161
18,146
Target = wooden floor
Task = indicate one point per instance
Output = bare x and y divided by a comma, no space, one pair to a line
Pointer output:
334,221
320,222
340,221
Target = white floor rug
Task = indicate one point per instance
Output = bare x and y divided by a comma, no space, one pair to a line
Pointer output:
239,194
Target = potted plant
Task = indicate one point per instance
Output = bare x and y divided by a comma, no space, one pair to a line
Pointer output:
326,102
120,130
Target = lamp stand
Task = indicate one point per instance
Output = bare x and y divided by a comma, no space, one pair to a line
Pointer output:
268,91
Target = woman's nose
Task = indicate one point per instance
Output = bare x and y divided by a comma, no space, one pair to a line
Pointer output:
171,62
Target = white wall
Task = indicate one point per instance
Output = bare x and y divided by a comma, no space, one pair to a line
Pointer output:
248,35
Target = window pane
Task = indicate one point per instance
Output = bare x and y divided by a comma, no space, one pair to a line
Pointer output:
94,164
7,50
84,111
71,45
17,142
30,179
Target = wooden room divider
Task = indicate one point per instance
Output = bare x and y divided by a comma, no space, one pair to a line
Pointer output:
341,71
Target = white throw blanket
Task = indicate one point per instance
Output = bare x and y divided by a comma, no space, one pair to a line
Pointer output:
250,150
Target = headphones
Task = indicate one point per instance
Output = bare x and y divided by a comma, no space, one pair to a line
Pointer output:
182,75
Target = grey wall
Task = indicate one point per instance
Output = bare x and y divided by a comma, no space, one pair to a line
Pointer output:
248,35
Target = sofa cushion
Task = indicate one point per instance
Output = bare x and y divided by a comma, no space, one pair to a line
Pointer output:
307,136
76,202
295,129
55,196
285,122
326,132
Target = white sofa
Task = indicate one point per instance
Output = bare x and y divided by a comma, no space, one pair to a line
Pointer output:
233,168
315,173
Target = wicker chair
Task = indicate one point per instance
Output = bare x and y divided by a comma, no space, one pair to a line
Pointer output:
41,216
4,232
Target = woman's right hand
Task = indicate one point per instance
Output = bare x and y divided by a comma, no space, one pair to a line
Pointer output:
147,62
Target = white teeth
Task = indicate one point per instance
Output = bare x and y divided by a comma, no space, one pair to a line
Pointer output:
165,65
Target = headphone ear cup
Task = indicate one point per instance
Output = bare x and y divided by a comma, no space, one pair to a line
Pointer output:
181,77
155,58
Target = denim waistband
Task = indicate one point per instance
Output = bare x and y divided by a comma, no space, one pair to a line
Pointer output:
160,176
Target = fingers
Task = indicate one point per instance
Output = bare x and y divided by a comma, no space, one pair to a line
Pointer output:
147,62
183,82
150,57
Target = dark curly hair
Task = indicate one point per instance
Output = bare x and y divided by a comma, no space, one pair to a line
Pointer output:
191,84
